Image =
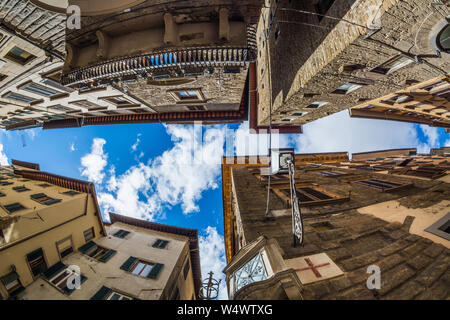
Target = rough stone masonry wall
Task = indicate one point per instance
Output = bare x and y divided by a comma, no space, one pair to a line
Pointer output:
412,267
407,27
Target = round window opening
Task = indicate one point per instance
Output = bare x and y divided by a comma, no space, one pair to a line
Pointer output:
444,39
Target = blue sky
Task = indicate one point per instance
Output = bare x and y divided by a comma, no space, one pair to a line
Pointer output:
143,170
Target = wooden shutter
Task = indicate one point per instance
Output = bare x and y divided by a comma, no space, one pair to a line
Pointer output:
54,269
51,201
129,263
107,255
87,247
160,244
155,271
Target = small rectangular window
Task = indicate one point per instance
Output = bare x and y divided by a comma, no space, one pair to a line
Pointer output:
187,94
65,247
316,105
121,234
21,189
161,244
97,252
19,97
142,268
39,89
19,55
392,65
13,207
44,185
89,234
37,262
70,193
381,185
42,198
347,88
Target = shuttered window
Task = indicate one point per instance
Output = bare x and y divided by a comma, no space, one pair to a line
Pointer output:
59,276
13,207
70,193
427,172
121,234
161,244
97,252
44,199
20,189
37,262
309,196
142,268
89,234
330,173
105,293
381,185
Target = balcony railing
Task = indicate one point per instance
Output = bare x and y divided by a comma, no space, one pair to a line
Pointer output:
195,57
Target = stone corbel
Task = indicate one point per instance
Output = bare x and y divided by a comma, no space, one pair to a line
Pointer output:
71,57
224,25
103,44
171,29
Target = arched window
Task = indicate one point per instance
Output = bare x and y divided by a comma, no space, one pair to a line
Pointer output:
443,39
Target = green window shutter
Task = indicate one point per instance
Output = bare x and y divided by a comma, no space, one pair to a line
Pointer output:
87,247
155,271
156,244
160,244
52,201
129,263
38,196
102,293
107,255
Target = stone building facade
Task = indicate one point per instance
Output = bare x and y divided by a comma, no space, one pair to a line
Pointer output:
52,233
387,213
193,64
319,57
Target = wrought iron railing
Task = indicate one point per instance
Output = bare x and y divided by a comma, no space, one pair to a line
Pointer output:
182,58
196,57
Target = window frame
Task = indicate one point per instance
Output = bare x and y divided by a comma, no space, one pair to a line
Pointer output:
21,207
399,186
27,100
26,87
381,69
334,198
146,264
57,243
92,230
16,60
436,227
353,87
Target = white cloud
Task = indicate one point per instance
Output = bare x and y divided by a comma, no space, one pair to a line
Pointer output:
93,163
432,135
72,147
127,192
136,144
212,258
178,176
339,132
3,157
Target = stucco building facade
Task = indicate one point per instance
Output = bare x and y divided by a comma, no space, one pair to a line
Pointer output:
52,237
